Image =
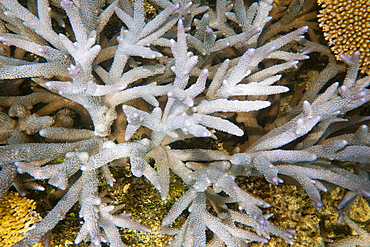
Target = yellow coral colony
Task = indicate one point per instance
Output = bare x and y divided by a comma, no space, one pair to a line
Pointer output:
17,216
346,26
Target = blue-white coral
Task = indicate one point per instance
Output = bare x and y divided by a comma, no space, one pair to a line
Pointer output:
173,76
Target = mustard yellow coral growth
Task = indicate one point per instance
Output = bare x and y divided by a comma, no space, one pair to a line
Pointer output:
346,27
17,216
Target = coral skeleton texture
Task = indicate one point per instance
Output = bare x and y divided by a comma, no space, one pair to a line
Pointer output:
18,215
188,72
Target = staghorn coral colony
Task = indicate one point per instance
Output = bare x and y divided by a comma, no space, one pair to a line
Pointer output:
89,86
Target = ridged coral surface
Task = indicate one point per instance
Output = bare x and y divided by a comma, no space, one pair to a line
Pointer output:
346,27
18,215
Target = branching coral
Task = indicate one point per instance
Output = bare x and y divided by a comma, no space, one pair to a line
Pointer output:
185,73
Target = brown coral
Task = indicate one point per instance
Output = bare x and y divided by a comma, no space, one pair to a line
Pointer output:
346,26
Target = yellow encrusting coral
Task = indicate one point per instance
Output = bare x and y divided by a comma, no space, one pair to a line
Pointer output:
18,215
149,9
346,27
